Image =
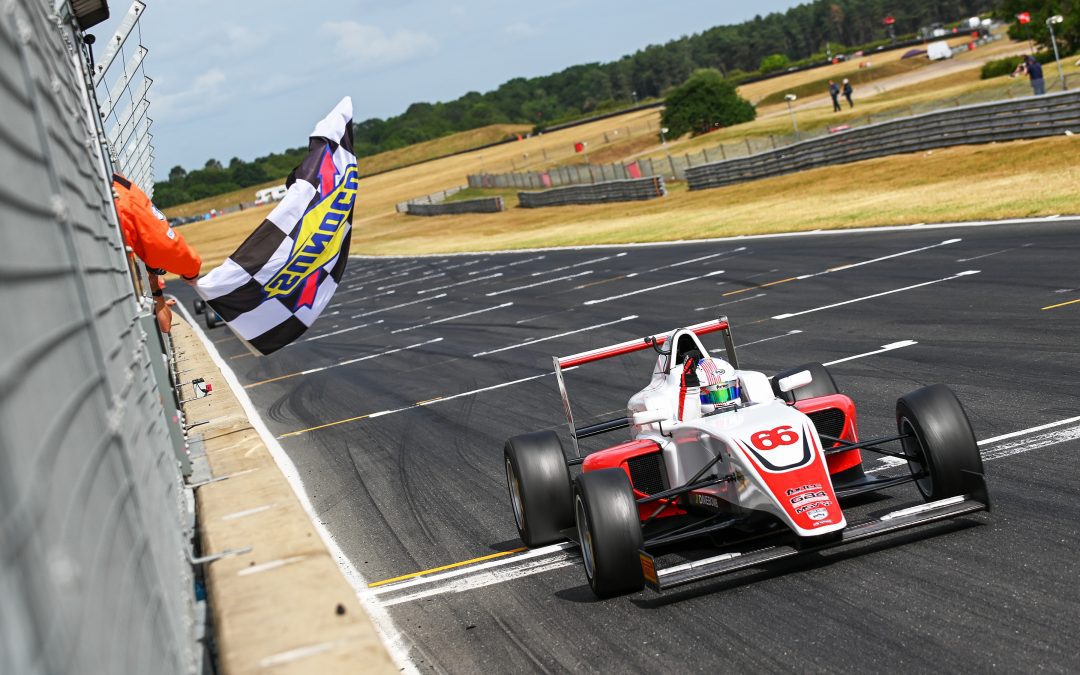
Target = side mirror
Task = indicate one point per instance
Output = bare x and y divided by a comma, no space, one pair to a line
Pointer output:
799,379
649,417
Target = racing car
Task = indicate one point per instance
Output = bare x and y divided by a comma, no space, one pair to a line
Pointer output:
728,455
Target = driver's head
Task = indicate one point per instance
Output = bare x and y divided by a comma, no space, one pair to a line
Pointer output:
719,383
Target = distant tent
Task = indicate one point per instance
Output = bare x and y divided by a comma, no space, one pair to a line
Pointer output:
912,53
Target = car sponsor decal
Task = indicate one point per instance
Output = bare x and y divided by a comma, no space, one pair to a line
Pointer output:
807,496
805,458
803,488
705,500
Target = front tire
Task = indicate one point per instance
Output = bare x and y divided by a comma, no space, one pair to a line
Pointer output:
212,318
199,305
609,529
821,385
944,453
539,483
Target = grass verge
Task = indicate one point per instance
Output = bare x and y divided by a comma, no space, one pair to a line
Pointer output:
1023,178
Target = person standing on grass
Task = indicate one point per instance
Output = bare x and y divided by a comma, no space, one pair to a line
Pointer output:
847,92
1034,70
834,92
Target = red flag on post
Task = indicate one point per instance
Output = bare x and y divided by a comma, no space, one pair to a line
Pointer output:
1024,17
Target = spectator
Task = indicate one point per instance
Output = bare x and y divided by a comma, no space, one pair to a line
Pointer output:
847,92
834,92
1034,70
159,246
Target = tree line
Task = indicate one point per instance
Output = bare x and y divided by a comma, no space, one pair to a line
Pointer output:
762,44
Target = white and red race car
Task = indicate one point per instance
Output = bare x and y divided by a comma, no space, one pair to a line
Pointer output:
729,454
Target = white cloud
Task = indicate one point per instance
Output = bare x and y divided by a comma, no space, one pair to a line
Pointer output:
204,93
371,46
520,29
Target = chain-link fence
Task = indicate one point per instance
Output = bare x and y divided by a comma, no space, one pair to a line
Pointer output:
93,571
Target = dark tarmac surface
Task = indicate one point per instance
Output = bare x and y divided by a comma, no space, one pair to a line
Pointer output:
422,486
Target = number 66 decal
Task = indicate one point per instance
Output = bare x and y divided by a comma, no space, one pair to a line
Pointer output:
774,438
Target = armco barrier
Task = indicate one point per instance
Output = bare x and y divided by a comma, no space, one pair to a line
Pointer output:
94,526
484,205
635,189
1032,117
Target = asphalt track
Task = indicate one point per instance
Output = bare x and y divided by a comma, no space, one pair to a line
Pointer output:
396,405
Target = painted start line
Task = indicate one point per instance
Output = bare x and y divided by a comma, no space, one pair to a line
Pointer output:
496,568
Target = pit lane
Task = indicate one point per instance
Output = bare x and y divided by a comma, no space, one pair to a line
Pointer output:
395,408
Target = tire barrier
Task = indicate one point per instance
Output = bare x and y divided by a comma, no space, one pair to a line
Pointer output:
1032,117
635,189
484,205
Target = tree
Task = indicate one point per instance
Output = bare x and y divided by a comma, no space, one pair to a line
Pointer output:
1067,32
213,164
705,101
177,174
773,62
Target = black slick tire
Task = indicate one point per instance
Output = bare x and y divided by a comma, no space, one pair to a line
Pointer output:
609,529
212,318
945,455
822,384
199,305
539,483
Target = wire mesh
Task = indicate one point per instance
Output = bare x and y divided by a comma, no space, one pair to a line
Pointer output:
93,571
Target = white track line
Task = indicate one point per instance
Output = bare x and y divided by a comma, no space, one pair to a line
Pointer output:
412,281
729,302
686,262
354,300
491,577
884,348
369,356
884,257
740,238
651,288
1009,449
580,264
404,304
553,337
394,641
539,283
460,283
875,295
451,318
1032,430
339,332
769,339
491,564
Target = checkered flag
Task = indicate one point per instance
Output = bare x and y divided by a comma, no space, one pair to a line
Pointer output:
277,283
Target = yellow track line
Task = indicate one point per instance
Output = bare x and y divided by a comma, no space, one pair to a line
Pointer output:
322,426
754,288
448,567
1062,304
272,379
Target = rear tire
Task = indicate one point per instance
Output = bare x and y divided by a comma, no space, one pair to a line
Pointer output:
609,528
199,305
539,483
822,384
212,318
943,446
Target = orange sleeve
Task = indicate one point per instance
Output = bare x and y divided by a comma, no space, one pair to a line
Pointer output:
158,244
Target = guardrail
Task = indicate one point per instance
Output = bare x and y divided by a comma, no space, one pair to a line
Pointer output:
1033,117
483,205
637,189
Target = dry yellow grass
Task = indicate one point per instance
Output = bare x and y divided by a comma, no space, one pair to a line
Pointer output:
964,183
976,182
384,161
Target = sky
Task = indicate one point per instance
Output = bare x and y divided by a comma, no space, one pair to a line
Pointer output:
244,78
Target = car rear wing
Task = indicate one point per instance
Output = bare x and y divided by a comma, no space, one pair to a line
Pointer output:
629,347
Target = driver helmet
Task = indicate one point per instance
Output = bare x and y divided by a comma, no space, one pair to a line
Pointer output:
719,383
